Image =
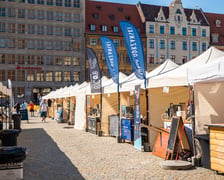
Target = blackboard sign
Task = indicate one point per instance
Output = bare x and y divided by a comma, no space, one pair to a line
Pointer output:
173,134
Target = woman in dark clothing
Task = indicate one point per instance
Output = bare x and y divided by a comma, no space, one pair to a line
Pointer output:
17,107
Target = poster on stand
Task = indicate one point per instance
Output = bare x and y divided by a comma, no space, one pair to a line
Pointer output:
137,120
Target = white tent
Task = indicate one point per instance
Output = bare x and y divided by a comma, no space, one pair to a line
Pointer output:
178,76
208,82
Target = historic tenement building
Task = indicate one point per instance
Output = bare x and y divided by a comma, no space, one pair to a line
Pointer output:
174,32
102,18
42,45
216,22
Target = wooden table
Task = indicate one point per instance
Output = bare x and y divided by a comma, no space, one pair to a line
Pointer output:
217,146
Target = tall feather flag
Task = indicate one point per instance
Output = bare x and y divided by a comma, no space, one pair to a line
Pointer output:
134,47
94,71
110,53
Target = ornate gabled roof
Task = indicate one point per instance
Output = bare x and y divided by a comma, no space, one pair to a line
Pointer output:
151,12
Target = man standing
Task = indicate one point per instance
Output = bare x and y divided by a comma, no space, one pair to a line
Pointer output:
43,110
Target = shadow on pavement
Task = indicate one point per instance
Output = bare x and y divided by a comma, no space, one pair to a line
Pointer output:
45,160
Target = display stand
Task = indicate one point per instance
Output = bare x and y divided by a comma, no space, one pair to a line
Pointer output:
93,124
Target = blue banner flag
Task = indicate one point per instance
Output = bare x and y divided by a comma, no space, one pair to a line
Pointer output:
110,53
134,47
94,71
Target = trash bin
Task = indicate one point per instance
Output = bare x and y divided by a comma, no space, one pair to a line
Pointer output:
16,121
9,137
24,114
205,156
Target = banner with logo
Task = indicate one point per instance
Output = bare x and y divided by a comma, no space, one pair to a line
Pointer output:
94,71
134,47
137,119
110,53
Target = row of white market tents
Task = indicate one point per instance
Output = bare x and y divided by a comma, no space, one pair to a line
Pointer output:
167,74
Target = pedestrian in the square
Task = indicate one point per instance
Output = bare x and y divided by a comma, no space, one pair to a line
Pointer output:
31,108
43,110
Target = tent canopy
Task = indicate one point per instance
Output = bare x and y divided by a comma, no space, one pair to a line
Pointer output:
178,76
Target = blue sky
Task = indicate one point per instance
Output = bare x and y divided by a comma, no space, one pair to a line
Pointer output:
213,6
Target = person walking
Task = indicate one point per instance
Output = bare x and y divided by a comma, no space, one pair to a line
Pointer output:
17,107
43,110
31,105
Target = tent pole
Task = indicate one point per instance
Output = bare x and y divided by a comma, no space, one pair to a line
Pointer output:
118,114
147,109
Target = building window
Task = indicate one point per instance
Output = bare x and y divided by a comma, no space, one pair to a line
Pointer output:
76,61
151,59
11,59
30,75
67,61
31,44
50,15
49,76
184,59
67,76
67,46
92,27
115,28
194,32
40,15
58,45
194,46
173,57
218,23
11,12
40,30
93,42
68,17
21,13
172,30
162,30
40,2
2,43
50,30
76,32
77,47
151,43
184,45
162,59
20,92
31,59
58,16
31,29
104,28
2,27
68,32
67,3
40,60
40,76
76,18
2,75
172,45
116,42
184,31
11,43
31,14
2,59
21,44
204,47
151,29
11,75
76,76
77,3
21,59
59,60
11,28
58,31
49,60
2,11
20,75
58,3
31,1
162,44
203,33
21,28
49,2
214,38
58,76
49,45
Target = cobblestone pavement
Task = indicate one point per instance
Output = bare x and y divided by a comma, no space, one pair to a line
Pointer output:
58,151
